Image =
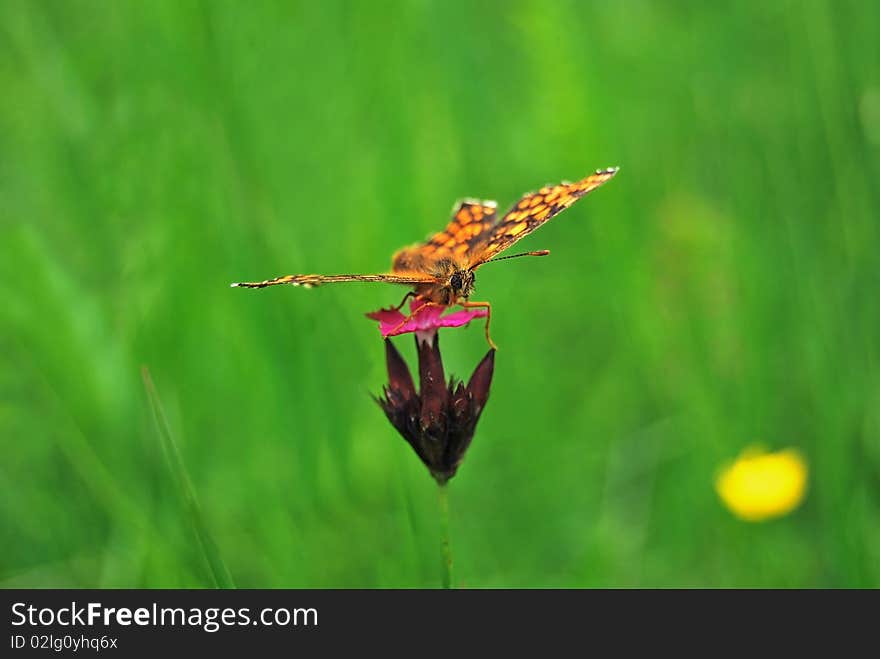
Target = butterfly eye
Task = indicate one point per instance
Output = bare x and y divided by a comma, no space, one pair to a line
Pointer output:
455,281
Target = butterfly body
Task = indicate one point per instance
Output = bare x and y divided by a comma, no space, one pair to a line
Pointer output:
452,281
441,269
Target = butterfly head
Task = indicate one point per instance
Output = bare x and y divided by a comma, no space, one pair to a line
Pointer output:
461,282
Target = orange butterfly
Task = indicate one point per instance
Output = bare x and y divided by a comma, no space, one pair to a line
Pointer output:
441,270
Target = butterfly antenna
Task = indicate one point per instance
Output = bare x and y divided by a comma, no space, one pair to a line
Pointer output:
540,252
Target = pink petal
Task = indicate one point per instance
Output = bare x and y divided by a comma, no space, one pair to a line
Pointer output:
463,317
386,315
424,318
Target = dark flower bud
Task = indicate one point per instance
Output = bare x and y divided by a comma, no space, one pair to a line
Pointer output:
439,421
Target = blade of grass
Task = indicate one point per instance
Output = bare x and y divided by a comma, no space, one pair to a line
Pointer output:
219,572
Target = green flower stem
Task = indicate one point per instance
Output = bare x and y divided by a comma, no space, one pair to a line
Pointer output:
443,491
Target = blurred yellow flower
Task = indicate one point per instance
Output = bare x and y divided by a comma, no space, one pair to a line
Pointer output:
761,485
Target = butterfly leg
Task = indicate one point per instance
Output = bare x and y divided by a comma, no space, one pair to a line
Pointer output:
488,307
403,301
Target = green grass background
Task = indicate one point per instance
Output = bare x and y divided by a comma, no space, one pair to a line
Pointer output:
720,291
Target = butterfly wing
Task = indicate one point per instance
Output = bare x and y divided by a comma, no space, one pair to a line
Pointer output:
529,213
470,218
310,281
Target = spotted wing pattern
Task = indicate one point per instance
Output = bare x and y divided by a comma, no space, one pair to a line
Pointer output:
470,218
531,212
310,281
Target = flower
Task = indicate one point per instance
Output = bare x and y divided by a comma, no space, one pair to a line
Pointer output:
759,485
439,420
424,319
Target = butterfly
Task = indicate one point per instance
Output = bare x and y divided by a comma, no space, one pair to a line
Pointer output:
441,269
